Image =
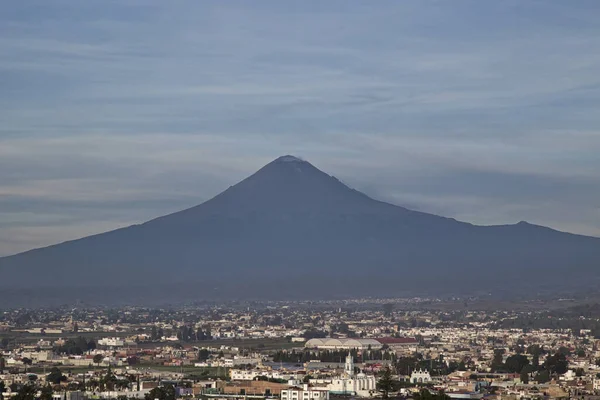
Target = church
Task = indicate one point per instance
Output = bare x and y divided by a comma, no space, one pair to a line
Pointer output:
420,376
349,383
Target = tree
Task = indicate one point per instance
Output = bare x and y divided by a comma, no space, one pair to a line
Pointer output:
166,392
26,392
497,363
2,389
542,376
109,380
404,365
77,346
55,376
564,351
98,359
313,333
557,364
385,384
516,363
46,393
203,355
524,377
535,350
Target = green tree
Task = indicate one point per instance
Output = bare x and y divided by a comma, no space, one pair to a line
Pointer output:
564,351
385,384
55,376
542,376
203,355
46,393
497,364
405,365
557,364
98,359
535,350
515,363
313,333
26,392
166,392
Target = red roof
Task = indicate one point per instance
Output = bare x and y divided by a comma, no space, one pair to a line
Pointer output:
393,340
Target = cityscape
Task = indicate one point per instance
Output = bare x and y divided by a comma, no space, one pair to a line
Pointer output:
361,348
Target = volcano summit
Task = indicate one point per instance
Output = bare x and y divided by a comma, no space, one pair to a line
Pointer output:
292,231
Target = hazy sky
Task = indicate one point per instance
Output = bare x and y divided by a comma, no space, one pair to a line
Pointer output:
114,112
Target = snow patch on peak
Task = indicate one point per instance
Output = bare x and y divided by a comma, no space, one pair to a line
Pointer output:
289,158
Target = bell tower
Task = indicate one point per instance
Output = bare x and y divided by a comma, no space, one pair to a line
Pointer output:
349,368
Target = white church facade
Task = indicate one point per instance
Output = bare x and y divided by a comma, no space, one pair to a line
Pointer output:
420,376
349,383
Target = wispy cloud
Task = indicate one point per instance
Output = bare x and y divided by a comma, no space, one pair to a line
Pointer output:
485,111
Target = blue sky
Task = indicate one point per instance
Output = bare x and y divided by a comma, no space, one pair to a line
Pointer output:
114,112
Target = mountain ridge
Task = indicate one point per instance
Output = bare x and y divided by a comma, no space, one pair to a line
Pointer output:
289,222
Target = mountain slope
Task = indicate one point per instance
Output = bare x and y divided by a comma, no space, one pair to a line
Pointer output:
292,230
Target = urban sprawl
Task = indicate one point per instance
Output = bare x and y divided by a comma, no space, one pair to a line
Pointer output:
391,348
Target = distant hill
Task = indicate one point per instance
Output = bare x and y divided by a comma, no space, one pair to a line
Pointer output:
292,231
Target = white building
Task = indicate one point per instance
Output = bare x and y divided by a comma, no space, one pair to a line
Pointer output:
349,383
236,361
304,393
111,342
348,344
420,376
250,375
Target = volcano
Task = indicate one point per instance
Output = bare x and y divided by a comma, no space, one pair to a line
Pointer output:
293,231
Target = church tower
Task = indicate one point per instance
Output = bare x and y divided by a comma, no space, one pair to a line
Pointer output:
349,368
